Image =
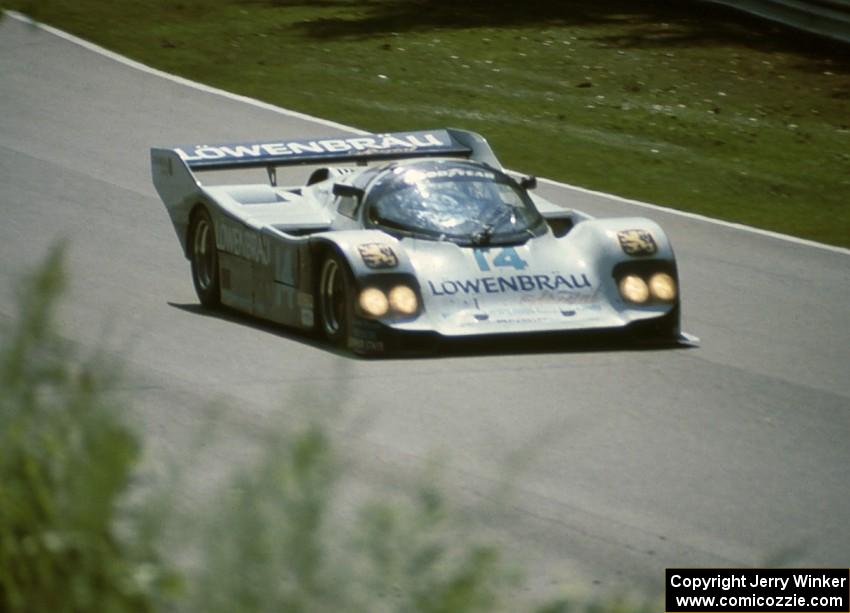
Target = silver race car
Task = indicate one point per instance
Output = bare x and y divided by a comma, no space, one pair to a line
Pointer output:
407,237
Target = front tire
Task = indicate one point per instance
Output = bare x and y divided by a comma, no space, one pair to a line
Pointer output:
336,303
204,257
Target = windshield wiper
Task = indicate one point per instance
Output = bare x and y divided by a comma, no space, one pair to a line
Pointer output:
488,228
483,236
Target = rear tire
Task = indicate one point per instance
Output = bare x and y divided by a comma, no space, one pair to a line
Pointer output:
204,257
336,302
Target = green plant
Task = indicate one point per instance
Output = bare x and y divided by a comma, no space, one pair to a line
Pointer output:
279,543
284,535
65,460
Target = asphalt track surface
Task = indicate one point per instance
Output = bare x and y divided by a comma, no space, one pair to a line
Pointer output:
735,453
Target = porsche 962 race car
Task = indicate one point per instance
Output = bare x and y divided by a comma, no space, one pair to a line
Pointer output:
395,237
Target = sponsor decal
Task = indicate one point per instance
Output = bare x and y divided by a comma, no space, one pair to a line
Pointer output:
316,148
243,243
365,336
562,297
513,283
637,242
378,255
415,176
359,344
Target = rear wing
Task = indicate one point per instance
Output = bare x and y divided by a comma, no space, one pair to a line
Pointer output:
346,149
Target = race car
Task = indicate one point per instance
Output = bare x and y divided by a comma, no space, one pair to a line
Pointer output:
405,236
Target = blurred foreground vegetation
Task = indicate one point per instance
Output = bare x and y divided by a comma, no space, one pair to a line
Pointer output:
77,535
66,457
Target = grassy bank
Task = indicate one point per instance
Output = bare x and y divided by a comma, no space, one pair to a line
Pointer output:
679,104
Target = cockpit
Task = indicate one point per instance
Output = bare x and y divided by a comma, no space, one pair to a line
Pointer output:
453,200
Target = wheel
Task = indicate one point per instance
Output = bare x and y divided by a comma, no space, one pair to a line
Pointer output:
204,258
336,308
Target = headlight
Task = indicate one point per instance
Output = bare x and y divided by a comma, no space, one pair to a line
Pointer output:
403,300
663,287
373,302
634,289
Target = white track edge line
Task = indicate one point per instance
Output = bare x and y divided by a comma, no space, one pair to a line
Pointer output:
176,79
332,124
697,217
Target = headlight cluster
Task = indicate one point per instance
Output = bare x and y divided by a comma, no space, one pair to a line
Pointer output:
661,287
401,300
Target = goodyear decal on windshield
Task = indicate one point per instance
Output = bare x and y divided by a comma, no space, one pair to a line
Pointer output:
514,283
414,176
242,243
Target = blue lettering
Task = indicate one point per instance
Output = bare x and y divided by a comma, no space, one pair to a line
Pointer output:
560,280
481,260
508,257
469,287
496,285
543,281
506,284
580,285
526,283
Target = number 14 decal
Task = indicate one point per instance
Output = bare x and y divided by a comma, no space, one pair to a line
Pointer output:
505,258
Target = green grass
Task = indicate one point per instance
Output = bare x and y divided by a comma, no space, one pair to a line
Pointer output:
696,108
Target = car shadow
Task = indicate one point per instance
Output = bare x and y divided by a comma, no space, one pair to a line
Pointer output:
249,321
435,347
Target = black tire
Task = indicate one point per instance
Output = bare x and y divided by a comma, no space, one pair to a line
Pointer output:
204,257
335,292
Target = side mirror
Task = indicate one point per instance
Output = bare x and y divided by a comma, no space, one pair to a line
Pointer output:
344,190
529,182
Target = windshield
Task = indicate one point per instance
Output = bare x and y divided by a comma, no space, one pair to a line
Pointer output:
457,201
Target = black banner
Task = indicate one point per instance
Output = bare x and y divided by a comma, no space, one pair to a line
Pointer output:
743,590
